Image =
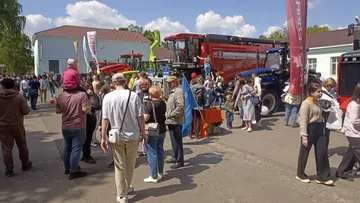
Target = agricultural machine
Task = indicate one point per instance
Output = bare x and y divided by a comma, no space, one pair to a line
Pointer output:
349,68
275,75
228,54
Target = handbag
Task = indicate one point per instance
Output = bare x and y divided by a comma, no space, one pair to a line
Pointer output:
115,134
153,129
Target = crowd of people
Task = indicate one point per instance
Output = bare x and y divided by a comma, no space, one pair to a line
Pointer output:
132,114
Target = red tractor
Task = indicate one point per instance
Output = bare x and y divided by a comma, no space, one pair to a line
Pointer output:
348,71
129,62
228,54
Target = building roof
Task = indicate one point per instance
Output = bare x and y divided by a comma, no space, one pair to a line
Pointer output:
331,38
105,34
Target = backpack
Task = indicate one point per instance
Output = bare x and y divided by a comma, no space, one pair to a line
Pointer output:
199,96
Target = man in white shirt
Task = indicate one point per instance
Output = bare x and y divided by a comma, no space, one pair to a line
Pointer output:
43,88
24,88
118,105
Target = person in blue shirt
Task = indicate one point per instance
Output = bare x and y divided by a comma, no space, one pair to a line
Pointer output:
34,92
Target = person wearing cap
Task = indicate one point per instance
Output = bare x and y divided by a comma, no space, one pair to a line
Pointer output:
193,75
136,86
73,105
71,78
175,119
124,111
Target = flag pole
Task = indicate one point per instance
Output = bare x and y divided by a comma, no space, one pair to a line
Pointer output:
202,117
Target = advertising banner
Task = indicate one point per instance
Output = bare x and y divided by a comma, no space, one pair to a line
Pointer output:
88,68
296,12
91,37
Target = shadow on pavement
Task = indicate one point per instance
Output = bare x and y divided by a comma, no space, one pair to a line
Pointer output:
46,181
267,124
337,150
196,165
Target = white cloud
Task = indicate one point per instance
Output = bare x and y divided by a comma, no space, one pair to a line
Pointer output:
326,25
341,28
312,4
166,26
212,22
36,23
93,14
271,29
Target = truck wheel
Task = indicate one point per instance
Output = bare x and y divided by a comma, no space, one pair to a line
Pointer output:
271,100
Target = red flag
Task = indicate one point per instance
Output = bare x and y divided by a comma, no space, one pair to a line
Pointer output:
296,12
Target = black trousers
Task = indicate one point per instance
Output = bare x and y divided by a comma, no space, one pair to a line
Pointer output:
90,127
175,132
316,137
351,156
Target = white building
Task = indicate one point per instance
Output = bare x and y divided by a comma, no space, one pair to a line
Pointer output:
53,47
325,50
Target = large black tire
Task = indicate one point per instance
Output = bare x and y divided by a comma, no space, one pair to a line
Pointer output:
270,99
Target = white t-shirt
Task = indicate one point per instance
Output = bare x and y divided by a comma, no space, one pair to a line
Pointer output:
24,84
113,108
136,85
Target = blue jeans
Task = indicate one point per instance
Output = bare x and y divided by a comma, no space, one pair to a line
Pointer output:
26,94
175,132
291,109
52,91
229,118
207,69
155,154
74,141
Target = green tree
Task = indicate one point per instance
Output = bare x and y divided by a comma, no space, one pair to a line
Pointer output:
317,29
17,54
282,33
124,29
15,50
11,22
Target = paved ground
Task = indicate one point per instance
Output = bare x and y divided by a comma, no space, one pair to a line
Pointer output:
232,167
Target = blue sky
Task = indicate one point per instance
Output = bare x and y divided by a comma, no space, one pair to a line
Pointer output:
257,15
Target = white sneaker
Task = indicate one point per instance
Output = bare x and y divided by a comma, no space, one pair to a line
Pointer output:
122,200
327,183
304,180
160,176
150,180
245,128
249,130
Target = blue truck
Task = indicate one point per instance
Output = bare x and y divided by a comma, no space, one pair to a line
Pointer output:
275,76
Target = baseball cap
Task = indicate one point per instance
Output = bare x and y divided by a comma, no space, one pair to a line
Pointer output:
171,79
71,62
193,75
118,77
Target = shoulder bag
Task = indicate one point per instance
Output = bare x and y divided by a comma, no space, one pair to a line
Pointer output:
115,134
152,129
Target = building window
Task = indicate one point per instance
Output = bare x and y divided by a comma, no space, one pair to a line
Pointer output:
54,66
334,62
312,63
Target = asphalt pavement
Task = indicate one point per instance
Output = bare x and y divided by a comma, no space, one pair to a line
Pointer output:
236,166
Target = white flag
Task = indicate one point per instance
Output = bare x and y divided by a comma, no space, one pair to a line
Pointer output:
91,36
88,68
